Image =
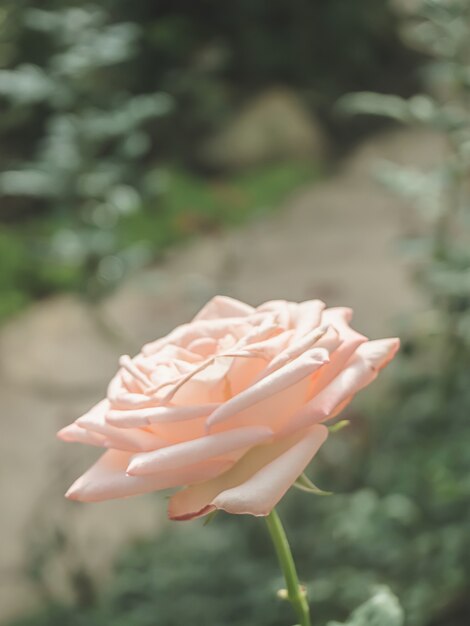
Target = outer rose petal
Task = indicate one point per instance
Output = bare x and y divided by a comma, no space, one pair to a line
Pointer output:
379,352
197,450
308,317
131,439
74,434
295,349
107,478
361,370
223,306
339,319
158,415
285,311
256,483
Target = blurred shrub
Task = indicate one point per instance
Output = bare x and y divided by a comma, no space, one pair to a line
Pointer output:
95,96
432,423
181,579
89,137
382,609
441,195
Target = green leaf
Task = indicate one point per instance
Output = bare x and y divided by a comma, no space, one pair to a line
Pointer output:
304,483
334,428
210,517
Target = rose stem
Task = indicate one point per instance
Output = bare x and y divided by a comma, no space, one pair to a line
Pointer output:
295,594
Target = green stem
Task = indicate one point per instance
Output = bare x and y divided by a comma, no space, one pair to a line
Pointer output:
295,593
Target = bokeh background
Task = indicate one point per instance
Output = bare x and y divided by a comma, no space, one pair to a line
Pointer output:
155,154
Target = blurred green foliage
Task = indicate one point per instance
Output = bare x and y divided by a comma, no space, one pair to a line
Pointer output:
183,578
382,609
49,254
440,196
76,142
97,98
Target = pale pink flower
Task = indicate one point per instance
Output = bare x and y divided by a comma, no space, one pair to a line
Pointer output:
230,406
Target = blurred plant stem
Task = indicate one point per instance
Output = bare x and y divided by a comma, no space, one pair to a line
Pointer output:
295,593
444,230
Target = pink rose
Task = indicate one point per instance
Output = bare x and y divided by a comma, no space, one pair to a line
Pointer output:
231,406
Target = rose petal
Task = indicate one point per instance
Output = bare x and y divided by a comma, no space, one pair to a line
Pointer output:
296,348
197,450
170,353
159,414
379,352
265,330
362,369
338,318
137,375
223,306
308,317
184,335
107,478
276,382
285,312
205,384
203,346
74,434
131,439
256,483
123,399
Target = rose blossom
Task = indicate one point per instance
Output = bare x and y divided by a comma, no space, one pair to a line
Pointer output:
230,406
